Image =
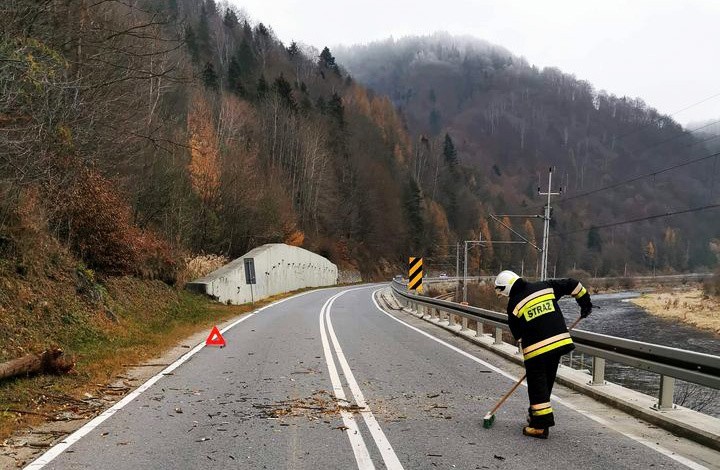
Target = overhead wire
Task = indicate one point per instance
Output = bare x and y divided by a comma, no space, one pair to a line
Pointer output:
664,116
681,134
645,175
639,177
653,173
639,219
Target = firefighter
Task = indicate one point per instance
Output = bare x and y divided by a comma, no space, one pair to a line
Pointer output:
536,322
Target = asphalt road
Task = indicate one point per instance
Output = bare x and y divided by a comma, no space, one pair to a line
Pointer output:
327,381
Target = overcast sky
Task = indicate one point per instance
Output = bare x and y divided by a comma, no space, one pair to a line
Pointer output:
664,51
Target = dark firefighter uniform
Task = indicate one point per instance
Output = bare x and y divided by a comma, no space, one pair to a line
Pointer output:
535,319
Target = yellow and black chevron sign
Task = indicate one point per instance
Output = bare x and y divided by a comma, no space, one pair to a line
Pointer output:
415,274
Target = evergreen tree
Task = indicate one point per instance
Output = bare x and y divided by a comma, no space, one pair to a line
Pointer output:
246,58
283,88
327,61
293,51
449,152
203,35
412,203
336,110
305,104
230,20
247,31
209,77
435,122
191,42
211,7
235,77
262,87
594,242
262,31
173,9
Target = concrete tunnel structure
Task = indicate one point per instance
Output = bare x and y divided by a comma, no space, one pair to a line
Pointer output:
278,268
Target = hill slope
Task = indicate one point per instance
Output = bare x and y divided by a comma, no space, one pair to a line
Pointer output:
511,121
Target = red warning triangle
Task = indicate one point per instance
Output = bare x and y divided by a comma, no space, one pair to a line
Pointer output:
215,338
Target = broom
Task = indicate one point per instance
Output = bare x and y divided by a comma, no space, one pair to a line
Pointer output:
489,418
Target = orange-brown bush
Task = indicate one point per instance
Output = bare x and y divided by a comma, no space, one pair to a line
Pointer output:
100,228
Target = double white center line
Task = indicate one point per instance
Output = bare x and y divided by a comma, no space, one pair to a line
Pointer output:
362,456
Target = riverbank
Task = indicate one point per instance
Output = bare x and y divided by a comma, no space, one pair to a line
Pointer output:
689,305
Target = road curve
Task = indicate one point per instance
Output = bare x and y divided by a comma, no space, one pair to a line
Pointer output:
326,380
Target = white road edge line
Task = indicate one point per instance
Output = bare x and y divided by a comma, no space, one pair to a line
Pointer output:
59,448
386,451
678,458
362,456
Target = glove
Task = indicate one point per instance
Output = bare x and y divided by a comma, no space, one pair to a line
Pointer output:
585,310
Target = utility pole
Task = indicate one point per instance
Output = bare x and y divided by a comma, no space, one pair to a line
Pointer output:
457,270
546,228
465,273
465,263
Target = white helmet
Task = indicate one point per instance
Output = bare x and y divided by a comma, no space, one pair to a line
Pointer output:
504,282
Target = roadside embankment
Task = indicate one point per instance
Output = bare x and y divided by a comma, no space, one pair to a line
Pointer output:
106,325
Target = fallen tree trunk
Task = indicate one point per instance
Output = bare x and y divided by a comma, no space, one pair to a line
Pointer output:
50,361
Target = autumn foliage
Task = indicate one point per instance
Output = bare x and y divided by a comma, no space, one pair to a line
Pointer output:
204,166
101,229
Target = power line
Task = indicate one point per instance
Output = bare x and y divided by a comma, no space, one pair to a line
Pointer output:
639,177
695,104
654,173
641,219
681,134
662,117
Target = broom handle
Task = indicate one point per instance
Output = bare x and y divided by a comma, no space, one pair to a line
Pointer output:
517,384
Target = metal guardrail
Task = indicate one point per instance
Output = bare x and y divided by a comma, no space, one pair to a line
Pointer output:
669,363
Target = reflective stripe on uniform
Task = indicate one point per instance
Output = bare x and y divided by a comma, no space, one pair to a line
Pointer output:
534,295
538,306
545,342
540,406
545,411
579,291
547,348
540,409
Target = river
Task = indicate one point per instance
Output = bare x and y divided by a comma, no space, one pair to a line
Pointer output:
615,315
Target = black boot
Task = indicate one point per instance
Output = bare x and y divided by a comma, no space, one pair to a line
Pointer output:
540,433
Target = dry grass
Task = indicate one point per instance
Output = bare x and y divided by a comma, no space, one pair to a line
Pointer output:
104,325
691,306
200,266
103,348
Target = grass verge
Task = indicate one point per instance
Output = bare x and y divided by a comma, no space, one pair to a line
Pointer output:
136,320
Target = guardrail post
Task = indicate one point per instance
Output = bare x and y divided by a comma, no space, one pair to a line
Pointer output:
667,390
451,319
598,371
464,323
498,335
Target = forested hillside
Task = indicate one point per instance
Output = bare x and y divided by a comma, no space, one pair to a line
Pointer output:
510,121
138,133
